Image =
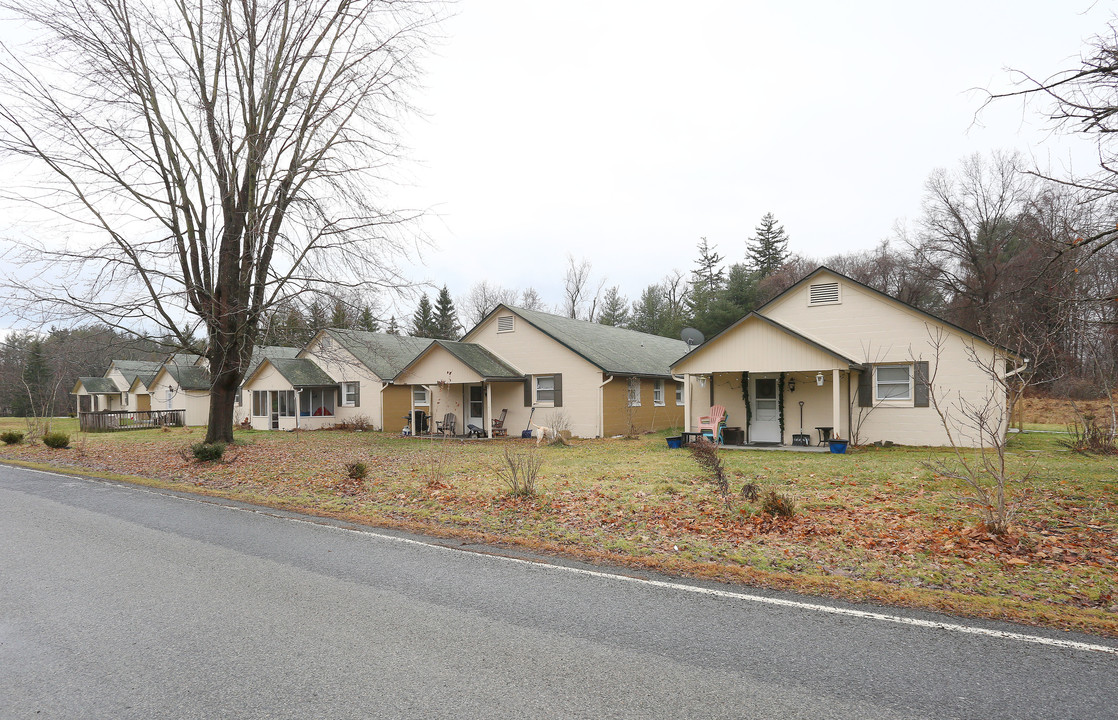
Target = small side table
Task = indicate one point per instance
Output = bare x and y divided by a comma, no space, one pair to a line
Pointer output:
689,437
824,433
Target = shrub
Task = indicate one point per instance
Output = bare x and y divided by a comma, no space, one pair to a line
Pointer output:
1092,437
11,437
520,471
356,470
56,440
358,423
775,503
207,452
705,453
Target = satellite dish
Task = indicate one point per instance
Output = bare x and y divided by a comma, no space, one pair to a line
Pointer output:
692,337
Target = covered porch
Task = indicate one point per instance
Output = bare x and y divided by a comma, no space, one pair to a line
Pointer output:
462,387
777,388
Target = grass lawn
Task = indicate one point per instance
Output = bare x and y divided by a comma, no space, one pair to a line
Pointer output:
872,525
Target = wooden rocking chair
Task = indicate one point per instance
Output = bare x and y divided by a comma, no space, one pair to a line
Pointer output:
499,429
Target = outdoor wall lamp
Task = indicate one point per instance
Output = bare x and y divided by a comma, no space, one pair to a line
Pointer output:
819,379
702,381
792,385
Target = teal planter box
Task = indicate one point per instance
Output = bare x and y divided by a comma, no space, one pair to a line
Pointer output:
838,447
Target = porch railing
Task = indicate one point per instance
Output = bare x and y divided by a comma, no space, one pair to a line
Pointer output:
113,420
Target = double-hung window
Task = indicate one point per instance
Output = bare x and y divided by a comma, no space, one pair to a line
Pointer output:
545,389
893,382
634,392
350,393
658,393
419,396
679,393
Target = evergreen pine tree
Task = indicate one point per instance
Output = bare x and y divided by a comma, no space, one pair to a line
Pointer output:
423,322
615,308
36,382
708,268
316,316
446,317
366,321
393,327
768,249
340,317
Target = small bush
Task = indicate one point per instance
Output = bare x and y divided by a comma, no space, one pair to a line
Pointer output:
705,453
207,452
775,504
11,437
56,440
358,423
520,471
356,470
1092,437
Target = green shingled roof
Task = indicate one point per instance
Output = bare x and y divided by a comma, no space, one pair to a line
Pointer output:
98,386
615,350
269,352
132,369
480,360
386,355
302,372
189,377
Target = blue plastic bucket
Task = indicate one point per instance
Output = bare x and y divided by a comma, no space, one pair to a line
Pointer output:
675,443
838,447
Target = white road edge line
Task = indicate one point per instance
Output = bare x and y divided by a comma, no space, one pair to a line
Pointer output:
815,607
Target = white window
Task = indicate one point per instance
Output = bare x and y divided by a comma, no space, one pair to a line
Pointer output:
893,382
545,389
634,392
283,403
350,392
658,393
506,323
259,403
124,399
824,294
419,396
679,393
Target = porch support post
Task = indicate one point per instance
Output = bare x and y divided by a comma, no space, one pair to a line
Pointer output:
836,402
687,402
488,419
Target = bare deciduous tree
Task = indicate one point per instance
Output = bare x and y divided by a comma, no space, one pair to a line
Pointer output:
482,298
209,160
580,298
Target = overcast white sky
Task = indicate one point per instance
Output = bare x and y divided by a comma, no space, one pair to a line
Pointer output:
622,132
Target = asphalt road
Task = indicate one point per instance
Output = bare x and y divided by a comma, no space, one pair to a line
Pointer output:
123,602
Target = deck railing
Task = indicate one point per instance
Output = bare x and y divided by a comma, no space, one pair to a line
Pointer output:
113,420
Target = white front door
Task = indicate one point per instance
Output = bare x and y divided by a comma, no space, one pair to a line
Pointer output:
475,408
764,426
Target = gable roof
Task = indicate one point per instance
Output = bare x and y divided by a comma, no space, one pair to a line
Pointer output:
188,377
818,345
614,350
300,372
487,365
260,353
132,369
384,354
96,386
183,358
958,328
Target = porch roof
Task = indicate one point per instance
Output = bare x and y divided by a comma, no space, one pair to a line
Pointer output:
774,347
301,372
95,386
485,366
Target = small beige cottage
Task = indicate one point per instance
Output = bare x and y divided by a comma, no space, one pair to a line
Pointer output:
833,357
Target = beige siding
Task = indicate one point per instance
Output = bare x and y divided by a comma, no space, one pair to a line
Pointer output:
267,379
623,419
534,353
341,365
756,346
872,329
438,365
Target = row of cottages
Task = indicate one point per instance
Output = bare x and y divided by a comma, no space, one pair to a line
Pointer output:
125,385
518,367
833,356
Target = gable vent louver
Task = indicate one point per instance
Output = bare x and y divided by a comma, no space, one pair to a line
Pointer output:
505,323
824,294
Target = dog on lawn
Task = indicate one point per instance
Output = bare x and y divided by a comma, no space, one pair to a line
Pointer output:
544,433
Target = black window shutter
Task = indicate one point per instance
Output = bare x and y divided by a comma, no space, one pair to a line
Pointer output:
558,390
528,391
357,395
865,387
920,385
